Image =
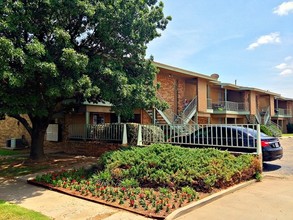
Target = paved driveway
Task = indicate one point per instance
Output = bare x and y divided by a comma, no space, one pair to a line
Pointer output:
271,199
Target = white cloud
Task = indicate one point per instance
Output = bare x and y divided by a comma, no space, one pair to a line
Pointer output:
282,66
265,39
284,9
286,68
286,72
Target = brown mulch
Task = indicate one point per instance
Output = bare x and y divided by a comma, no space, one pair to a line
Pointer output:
139,210
62,161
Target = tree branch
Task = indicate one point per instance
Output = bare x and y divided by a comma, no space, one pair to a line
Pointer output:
24,122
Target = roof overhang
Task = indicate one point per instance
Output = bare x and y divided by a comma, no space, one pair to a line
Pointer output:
183,72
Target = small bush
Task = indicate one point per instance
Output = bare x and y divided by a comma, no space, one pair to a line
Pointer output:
129,183
271,130
265,129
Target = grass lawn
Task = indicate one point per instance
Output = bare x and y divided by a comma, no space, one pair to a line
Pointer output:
15,212
15,166
287,135
7,152
19,165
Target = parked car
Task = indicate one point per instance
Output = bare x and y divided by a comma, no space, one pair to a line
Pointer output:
235,138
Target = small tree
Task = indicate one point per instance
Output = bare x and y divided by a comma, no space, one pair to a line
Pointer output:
55,54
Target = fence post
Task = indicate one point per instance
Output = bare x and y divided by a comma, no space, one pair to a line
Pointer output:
124,139
139,136
258,145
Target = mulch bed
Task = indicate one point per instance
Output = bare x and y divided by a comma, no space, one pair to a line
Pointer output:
138,210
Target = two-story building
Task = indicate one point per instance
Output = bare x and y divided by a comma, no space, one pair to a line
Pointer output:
193,98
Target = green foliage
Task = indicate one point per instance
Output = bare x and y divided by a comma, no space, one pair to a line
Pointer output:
271,130
258,176
104,178
165,165
55,51
129,183
7,152
68,40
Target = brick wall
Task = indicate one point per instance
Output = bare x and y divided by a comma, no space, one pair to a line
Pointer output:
203,120
166,87
84,148
173,89
11,128
145,118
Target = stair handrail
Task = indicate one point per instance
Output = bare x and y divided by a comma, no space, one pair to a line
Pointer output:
258,116
190,108
267,116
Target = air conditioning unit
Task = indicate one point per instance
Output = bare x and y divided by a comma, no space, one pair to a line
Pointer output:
15,143
52,132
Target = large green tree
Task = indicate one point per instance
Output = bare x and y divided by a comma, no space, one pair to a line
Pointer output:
52,51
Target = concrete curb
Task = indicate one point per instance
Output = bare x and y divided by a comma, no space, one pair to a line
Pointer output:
186,209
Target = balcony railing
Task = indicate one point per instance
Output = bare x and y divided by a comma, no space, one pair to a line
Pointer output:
283,112
227,106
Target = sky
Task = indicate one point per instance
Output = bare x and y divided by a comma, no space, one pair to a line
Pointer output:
247,41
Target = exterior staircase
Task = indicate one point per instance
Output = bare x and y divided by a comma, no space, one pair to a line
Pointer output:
178,122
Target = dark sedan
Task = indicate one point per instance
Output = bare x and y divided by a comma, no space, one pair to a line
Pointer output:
235,138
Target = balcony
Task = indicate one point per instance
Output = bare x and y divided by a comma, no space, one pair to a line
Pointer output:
228,107
280,112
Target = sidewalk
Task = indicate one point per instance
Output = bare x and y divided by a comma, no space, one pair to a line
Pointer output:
270,199
56,205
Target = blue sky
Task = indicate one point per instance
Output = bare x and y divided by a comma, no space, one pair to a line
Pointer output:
250,41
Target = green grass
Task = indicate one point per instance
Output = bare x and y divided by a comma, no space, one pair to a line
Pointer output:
15,166
15,212
7,152
287,135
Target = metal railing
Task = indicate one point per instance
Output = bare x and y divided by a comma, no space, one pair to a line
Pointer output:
244,136
241,137
258,117
283,112
101,132
267,116
229,106
190,109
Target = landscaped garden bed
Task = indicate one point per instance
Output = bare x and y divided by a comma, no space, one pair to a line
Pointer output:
154,180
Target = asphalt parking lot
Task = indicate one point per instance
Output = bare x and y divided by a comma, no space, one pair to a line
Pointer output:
270,199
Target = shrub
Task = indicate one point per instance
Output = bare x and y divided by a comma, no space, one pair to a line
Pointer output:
162,165
151,131
129,183
271,130
265,129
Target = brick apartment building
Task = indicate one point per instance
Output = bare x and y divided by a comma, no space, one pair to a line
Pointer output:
193,98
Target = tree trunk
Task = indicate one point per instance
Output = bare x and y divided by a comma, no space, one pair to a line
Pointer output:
38,136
